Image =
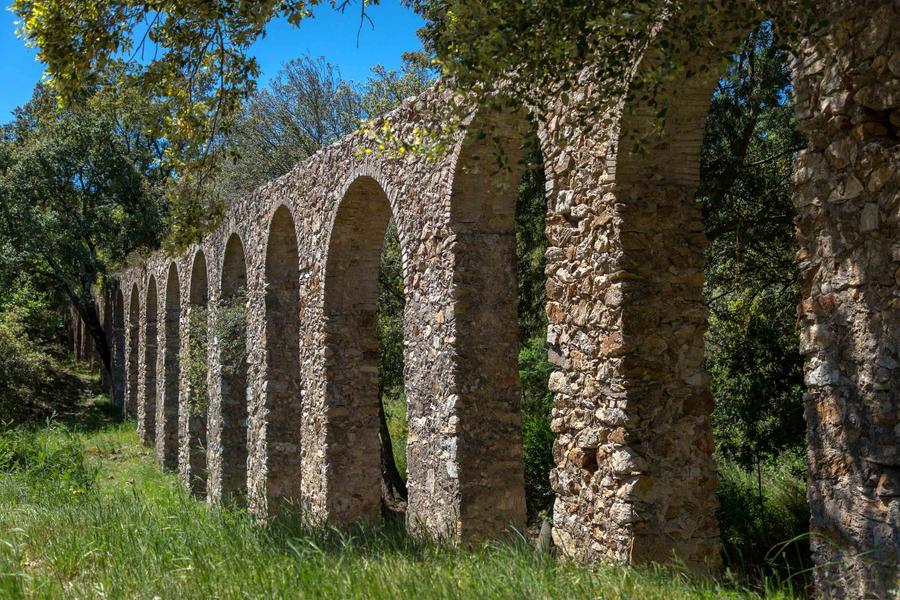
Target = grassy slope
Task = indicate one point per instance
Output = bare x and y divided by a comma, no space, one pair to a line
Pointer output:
113,525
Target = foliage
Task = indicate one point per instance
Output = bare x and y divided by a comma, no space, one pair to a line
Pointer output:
196,364
230,331
398,428
136,533
537,437
753,341
187,60
535,51
21,364
391,301
531,245
187,64
306,107
78,192
385,89
764,517
35,309
534,368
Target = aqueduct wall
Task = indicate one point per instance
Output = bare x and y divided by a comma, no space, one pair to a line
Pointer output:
635,478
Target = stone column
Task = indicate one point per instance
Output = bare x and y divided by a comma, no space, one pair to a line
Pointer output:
132,346
635,480
168,370
146,412
117,348
105,311
847,194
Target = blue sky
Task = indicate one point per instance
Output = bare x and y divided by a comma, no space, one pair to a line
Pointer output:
330,34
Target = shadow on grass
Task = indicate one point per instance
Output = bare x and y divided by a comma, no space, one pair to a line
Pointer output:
69,394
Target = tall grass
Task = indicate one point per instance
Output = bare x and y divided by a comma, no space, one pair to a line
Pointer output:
128,530
764,518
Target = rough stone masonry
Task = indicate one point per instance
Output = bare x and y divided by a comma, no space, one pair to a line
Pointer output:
634,476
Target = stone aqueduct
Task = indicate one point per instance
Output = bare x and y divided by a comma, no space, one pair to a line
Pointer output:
635,478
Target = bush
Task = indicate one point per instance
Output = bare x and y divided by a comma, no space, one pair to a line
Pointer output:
21,365
767,535
537,438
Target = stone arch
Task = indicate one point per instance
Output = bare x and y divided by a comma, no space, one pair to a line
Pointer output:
118,349
351,338
233,364
147,408
134,320
843,196
283,401
195,409
167,406
489,452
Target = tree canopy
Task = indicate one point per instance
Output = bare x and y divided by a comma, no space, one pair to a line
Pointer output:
79,191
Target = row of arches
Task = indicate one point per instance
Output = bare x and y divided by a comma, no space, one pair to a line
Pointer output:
216,429
634,476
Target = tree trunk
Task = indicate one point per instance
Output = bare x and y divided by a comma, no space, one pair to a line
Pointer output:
86,307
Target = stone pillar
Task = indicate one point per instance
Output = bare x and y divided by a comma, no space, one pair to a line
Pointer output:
193,404
148,342
117,349
228,415
132,346
635,480
465,457
279,408
847,194
105,310
168,369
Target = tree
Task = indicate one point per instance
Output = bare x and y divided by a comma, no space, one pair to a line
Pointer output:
79,191
305,107
189,62
746,192
536,50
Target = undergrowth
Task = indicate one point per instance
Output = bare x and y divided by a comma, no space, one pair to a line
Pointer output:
86,513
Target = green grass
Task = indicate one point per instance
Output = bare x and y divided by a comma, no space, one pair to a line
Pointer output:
85,513
395,413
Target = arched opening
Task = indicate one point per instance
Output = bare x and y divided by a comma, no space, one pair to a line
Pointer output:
232,336
147,412
713,294
489,449
355,419
752,350
118,350
134,320
197,376
282,327
167,439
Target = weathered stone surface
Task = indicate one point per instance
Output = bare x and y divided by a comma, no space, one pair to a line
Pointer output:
851,311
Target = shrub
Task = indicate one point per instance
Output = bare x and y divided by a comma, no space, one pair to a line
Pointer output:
197,363
537,438
21,365
763,515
